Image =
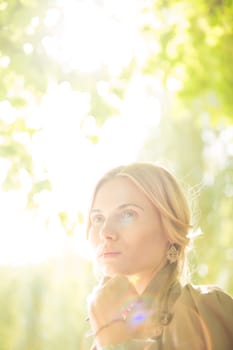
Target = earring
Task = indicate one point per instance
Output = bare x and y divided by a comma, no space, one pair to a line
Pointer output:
172,254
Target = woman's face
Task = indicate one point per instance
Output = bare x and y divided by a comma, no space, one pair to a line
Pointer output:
125,231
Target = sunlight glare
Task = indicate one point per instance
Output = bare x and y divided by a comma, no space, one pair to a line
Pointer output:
93,35
86,36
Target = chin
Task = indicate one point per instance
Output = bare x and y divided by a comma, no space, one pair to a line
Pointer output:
111,271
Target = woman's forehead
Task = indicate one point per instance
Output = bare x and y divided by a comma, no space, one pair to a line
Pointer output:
118,191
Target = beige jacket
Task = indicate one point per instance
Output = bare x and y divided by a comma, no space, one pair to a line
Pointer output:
195,318
202,320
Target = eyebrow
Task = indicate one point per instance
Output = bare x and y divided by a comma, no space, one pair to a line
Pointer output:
122,206
130,205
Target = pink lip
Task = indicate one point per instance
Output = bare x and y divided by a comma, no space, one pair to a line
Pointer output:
108,254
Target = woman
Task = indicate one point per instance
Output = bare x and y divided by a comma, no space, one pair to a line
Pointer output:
138,227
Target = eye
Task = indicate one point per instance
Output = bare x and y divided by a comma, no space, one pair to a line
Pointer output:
97,219
127,216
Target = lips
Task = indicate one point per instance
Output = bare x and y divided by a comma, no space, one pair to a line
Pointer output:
107,253
110,254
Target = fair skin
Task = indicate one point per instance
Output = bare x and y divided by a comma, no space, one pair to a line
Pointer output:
129,247
126,233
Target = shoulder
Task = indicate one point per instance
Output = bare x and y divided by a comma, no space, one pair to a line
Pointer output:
203,314
209,303
205,294
200,297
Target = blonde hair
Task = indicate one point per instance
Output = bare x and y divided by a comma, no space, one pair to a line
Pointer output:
164,191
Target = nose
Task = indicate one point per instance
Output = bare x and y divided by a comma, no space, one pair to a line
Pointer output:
108,230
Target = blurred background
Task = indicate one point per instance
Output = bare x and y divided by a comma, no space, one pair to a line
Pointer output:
87,85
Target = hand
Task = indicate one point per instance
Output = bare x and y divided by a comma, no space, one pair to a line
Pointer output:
107,302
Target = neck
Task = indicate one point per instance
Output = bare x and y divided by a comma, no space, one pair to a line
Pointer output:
141,280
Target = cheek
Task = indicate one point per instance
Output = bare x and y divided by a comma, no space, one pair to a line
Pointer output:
93,236
150,244
139,241
159,241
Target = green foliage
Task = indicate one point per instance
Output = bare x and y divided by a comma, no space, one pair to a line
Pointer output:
195,47
44,307
15,20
